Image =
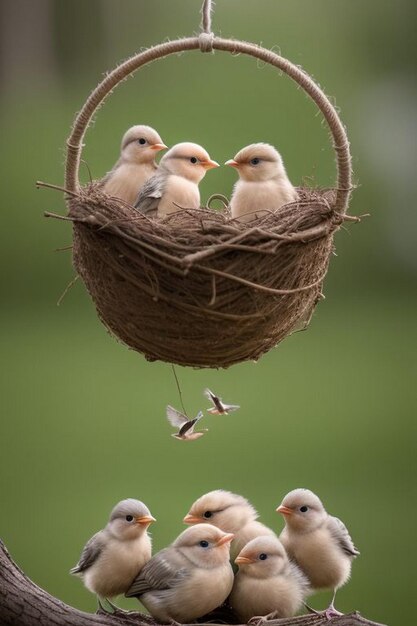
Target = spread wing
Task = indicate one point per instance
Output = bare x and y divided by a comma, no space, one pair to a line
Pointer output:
151,194
90,553
189,425
176,418
341,535
164,571
214,399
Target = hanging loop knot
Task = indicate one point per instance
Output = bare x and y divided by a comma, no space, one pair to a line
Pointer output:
206,42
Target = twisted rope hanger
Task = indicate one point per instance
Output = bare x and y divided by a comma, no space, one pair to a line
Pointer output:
208,42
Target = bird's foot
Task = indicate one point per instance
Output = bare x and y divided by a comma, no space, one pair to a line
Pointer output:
329,613
257,620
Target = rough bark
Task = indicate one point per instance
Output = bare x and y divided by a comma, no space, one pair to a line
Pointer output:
22,603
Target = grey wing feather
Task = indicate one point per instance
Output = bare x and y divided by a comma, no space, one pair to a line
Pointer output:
159,573
341,535
90,553
151,194
176,418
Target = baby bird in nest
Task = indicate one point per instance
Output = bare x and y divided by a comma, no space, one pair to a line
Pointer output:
263,185
185,426
175,185
232,514
114,555
267,585
135,165
319,543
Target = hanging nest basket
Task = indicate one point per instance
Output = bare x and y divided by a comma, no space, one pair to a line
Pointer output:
198,288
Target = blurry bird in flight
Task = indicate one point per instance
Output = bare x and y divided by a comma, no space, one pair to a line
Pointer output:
185,426
219,407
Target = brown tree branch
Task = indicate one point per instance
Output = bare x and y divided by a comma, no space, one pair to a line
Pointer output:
22,603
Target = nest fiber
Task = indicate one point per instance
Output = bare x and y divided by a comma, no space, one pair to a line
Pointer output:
198,288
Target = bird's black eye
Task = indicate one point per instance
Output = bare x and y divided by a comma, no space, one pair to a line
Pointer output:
204,544
263,556
142,141
129,518
254,161
304,509
207,514
193,159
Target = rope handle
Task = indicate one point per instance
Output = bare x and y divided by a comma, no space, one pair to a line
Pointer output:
207,42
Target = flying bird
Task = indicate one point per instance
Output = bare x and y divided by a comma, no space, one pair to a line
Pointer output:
114,555
135,165
219,407
185,426
318,542
263,183
175,185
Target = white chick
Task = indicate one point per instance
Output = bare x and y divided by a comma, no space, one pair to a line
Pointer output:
263,184
135,165
188,579
175,186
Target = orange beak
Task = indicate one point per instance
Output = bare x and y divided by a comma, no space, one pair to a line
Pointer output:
284,510
232,163
225,539
158,146
191,519
145,519
243,560
209,165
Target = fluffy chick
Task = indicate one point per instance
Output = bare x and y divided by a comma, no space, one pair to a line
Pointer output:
267,583
318,542
136,163
175,186
114,555
231,513
263,184
188,579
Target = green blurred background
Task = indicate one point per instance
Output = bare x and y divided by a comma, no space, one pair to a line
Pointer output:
332,409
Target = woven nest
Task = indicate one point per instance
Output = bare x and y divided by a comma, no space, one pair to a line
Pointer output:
198,288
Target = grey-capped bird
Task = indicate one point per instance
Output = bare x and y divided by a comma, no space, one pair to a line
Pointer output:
318,542
188,579
185,426
219,407
263,183
135,165
112,557
175,185
267,585
232,514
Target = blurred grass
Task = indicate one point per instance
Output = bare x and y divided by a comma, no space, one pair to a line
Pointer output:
332,408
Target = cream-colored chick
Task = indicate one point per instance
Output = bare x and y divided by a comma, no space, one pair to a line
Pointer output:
319,543
113,556
263,184
267,583
232,514
175,186
135,165
188,579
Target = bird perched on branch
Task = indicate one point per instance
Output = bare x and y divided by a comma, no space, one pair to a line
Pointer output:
185,426
114,555
232,514
219,407
136,163
267,584
188,579
319,543
175,185
263,184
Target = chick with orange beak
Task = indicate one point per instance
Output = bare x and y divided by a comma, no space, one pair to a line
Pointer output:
263,184
114,555
318,542
175,186
231,513
188,579
136,164
267,584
